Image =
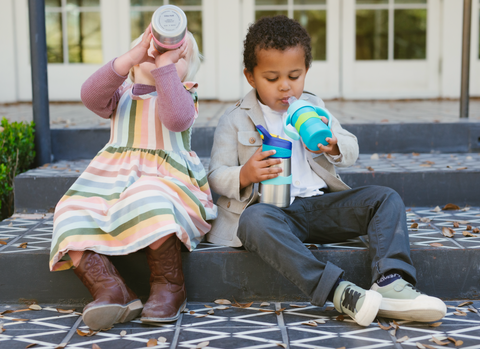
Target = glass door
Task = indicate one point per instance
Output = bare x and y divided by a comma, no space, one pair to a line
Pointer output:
391,49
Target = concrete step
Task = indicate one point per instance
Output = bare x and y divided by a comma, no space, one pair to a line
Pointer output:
449,269
420,179
458,137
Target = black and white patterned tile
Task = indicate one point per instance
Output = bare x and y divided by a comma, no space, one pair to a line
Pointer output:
255,326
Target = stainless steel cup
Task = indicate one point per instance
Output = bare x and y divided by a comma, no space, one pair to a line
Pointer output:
277,194
169,27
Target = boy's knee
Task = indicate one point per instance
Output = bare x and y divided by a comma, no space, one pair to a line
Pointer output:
253,220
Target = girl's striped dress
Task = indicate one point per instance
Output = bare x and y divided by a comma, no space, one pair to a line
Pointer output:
145,184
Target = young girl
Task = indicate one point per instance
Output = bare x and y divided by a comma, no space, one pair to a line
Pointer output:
146,189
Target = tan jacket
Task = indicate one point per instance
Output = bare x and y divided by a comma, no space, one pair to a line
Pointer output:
235,141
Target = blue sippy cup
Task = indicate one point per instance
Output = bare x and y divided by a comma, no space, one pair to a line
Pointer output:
307,120
276,191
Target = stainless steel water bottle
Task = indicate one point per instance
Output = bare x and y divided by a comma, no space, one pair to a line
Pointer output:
169,28
276,191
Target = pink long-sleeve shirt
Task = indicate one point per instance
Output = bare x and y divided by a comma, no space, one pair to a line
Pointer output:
174,106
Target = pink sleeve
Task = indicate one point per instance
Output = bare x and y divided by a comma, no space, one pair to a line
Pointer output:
101,92
175,106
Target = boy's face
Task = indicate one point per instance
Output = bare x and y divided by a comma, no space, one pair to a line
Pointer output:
278,75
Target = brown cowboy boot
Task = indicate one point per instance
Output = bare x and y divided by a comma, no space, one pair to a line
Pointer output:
113,301
167,287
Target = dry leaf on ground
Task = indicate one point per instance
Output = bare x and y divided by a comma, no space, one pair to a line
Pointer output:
469,234
340,318
192,312
460,313
310,323
393,332
86,334
222,301
414,225
23,245
123,333
283,345
437,209
203,344
35,307
476,230
435,324
374,156
384,327
456,225
297,306
454,341
211,312
438,341
95,346
448,207
264,304
469,227
403,339
473,310
222,307
203,315
370,168
266,310
448,232
31,345
61,346
420,345
436,244
207,306
2,242
152,342
65,311
425,220
320,321
161,339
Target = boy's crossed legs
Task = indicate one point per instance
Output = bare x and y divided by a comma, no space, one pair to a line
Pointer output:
277,236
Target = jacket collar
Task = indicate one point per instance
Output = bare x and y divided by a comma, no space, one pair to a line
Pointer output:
254,112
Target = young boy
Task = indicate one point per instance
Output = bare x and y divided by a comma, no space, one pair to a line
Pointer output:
277,56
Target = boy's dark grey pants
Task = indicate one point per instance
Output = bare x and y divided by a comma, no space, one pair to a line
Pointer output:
277,235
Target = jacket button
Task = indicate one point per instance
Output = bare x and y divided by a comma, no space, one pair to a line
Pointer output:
228,205
252,140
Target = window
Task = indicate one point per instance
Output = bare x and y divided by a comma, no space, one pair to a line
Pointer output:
391,29
74,33
141,12
479,30
311,14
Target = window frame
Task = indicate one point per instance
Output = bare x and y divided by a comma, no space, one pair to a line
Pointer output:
64,9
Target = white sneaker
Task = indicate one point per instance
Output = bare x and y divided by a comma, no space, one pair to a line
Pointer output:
402,301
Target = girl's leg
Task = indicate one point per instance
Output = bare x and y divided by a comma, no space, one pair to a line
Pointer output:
159,242
168,296
113,301
76,257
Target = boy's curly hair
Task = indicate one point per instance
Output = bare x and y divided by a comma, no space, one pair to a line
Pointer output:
278,32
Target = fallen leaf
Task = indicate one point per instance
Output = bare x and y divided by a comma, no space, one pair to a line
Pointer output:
429,346
476,230
389,156
320,321
95,346
435,324
384,327
414,225
462,168
202,345
458,343
65,311
61,346
222,307
3,242
425,165
211,312
2,329
438,341
344,347
123,333
469,227
222,301
264,304
152,342
19,319
436,244
279,311
396,324
86,334
340,318
370,168
467,234
297,306
448,232
420,345
192,312
35,307
456,225
312,247
283,345
23,245
463,222
162,339
448,207
465,303
450,306
31,345
425,220
6,312
266,310
460,313
473,310
20,310
207,306
437,209
393,332
430,162
203,315
310,323
416,154
374,157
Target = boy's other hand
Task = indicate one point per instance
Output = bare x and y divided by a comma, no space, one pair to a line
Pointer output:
257,168
331,148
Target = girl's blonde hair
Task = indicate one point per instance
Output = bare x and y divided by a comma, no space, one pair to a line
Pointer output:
194,57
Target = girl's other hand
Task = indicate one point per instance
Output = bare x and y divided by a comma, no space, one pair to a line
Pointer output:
172,56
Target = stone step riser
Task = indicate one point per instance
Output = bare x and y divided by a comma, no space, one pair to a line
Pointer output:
72,144
448,274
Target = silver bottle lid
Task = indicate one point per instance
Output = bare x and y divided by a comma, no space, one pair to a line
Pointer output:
169,24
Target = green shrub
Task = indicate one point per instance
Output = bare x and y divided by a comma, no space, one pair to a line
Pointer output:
17,152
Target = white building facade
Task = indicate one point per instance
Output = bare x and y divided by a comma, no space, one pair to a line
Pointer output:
362,49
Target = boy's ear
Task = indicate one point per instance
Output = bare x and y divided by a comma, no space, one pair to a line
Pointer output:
249,77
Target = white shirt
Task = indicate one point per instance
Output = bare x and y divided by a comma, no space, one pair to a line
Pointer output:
305,182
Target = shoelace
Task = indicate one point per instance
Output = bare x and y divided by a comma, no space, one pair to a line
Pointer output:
413,288
350,300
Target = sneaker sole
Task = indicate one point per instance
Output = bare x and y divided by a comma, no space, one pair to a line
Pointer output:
167,319
105,316
421,309
369,309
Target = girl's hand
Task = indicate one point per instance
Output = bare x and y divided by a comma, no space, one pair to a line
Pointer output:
136,55
172,56
331,148
258,169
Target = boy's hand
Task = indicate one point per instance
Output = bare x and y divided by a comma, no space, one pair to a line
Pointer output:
257,168
136,55
172,56
331,148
